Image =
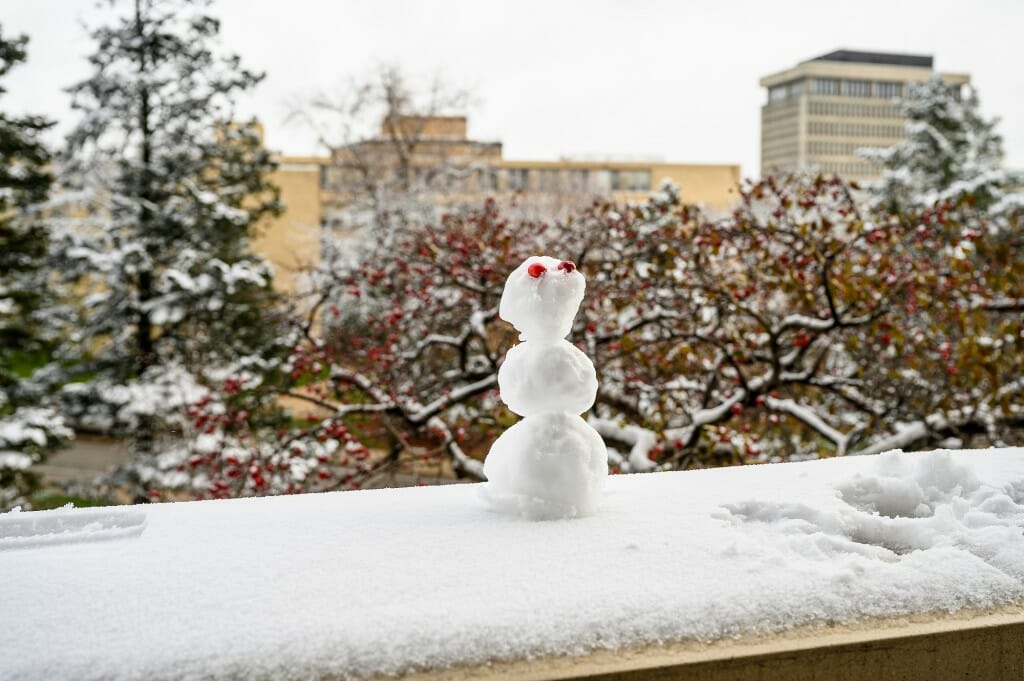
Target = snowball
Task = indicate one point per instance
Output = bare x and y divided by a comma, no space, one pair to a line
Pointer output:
542,307
546,467
540,377
909,486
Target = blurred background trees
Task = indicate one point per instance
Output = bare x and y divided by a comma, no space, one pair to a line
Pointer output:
163,187
951,151
29,428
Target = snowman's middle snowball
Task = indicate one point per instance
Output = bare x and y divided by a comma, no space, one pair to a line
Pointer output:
536,378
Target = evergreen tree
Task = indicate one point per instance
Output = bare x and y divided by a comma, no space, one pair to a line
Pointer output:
168,189
950,151
28,429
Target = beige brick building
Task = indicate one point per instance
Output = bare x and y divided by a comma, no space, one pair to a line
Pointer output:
819,112
436,155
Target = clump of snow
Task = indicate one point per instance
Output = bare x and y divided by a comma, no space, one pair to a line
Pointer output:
539,377
552,464
357,584
910,488
15,460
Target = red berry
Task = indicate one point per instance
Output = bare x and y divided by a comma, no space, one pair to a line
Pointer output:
567,265
736,408
536,270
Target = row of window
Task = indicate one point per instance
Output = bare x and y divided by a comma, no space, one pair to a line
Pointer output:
841,129
778,131
852,110
779,161
776,136
517,179
859,169
779,149
834,148
578,180
836,87
772,115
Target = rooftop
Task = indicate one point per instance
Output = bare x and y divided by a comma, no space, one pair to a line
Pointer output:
357,584
891,58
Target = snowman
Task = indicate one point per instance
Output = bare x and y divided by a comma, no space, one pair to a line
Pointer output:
551,464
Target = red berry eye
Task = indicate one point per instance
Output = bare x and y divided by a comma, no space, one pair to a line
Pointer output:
566,265
536,270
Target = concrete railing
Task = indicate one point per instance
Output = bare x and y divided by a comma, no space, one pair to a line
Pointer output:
985,646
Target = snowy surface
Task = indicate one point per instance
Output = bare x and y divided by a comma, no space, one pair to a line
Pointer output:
357,583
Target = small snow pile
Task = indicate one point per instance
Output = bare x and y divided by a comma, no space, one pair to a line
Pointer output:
552,464
929,501
67,526
902,508
353,585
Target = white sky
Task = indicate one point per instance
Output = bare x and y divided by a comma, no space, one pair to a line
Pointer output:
676,80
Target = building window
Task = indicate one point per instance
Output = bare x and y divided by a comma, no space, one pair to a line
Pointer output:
547,180
518,179
776,93
888,90
602,180
825,86
579,180
489,179
330,177
857,88
634,180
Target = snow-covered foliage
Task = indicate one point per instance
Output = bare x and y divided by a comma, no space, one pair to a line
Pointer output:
230,448
28,427
161,188
801,326
797,327
333,585
950,152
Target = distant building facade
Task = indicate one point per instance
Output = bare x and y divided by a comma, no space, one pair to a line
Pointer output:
435,155
819,112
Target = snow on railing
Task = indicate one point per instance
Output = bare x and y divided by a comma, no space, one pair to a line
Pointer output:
357,584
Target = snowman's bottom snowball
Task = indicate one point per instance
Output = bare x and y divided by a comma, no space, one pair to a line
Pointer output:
545,467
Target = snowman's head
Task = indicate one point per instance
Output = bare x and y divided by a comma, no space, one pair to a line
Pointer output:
541,298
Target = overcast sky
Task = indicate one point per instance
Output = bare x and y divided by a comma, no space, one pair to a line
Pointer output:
675,80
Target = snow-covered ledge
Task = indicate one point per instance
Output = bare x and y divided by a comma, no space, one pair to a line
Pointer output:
677,571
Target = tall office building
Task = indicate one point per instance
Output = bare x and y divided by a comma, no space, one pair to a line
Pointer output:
819,112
